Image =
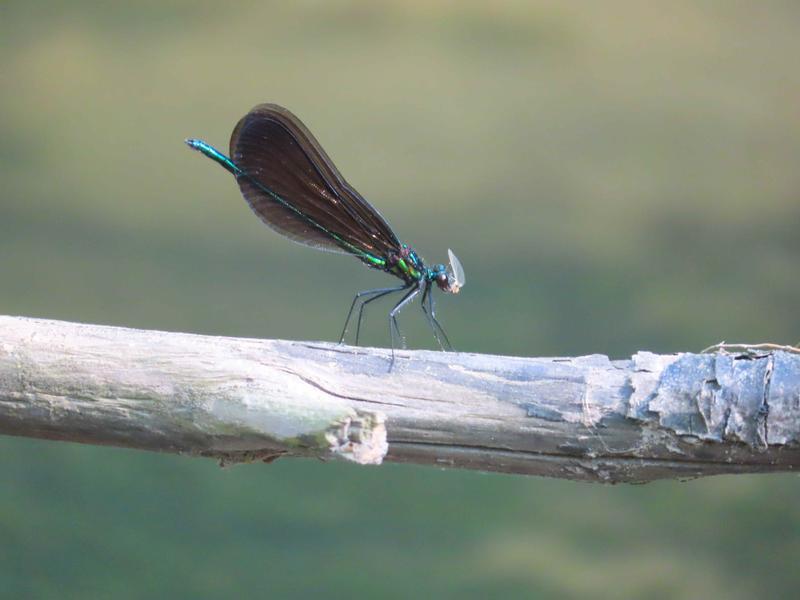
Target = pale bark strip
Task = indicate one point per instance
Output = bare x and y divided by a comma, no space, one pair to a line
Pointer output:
586,418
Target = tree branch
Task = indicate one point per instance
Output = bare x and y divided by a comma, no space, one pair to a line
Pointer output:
587,418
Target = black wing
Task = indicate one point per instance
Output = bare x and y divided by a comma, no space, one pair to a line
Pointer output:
292,185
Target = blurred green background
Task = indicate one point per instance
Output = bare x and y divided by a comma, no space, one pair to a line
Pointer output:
615,177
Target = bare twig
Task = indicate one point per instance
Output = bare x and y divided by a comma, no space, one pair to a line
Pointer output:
587,418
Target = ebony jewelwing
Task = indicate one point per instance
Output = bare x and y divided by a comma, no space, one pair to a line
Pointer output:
293,186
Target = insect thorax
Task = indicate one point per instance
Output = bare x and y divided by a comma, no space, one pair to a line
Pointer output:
406,264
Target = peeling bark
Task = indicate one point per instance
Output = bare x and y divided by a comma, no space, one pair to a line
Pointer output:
585,418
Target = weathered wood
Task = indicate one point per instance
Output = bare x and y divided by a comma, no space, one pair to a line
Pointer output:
586,418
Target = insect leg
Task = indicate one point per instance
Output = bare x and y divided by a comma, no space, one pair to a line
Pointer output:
393,327
353,305
383,293
432,307
425,295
